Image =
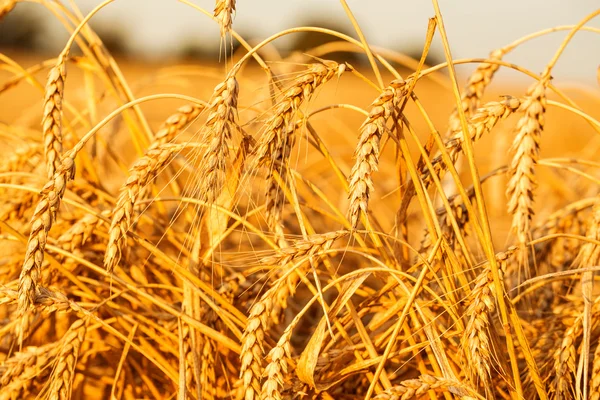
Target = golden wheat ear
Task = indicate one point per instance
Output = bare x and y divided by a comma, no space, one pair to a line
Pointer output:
366,154
224,10
140,174
43,218
526,148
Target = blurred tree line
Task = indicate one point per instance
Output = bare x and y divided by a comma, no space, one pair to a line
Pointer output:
24,29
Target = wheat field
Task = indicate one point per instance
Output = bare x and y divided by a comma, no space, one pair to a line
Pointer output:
295,227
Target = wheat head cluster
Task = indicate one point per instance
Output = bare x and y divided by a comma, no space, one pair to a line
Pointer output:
257,245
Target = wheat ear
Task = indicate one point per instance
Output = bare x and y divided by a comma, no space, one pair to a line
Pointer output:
140,174
41,222
220,125
78,233
304,248
224,10
61,385
52,118
175,123
276,368
526,148
595,378
412,388
475,341
482,122
253,338
22,368
366,154
564,361
478,81
276,143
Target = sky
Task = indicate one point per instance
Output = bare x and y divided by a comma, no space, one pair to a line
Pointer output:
155,28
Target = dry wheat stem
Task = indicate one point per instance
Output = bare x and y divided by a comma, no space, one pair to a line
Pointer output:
41,222
525,148
140,174
366,154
